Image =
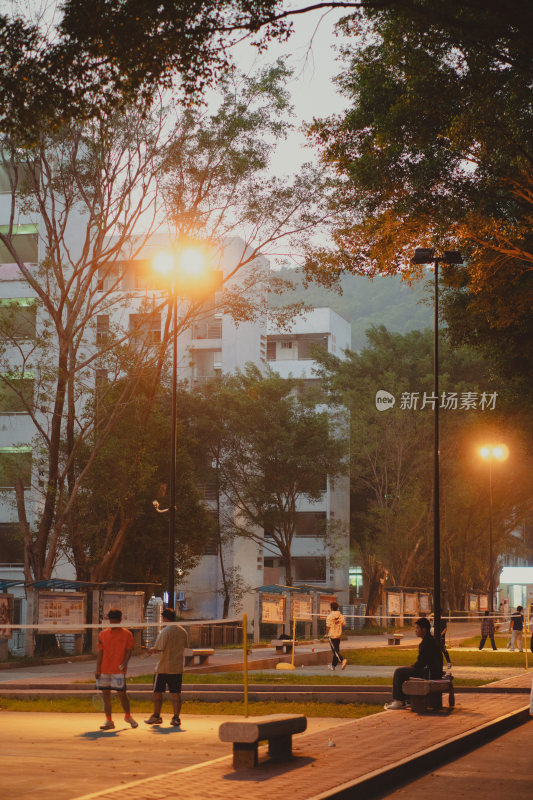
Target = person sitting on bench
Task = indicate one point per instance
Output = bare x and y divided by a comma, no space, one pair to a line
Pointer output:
427,665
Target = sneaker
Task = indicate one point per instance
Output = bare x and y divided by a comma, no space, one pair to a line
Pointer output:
176,721
108,725
154,720
132,722
344,662
331,667
396,705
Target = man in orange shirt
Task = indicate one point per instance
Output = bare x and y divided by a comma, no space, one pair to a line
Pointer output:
115,646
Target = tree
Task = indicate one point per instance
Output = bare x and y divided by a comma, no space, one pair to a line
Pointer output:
204,172
80,63
436,146
391,462
122,537
274,450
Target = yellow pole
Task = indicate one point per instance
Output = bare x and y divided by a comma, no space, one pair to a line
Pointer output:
525,636
245,661
293,638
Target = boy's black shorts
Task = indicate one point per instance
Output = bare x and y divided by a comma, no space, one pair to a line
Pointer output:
164,679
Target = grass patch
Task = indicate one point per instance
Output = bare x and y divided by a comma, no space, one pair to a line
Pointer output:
402,656
291,679
501,642
144,707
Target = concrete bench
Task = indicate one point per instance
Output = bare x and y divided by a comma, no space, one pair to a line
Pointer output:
426,695
394,638
246,734
200,653
282,645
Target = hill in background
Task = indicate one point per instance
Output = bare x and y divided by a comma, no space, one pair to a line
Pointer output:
364,302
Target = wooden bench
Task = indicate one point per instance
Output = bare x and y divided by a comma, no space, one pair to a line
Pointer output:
394,638
201,653
426,695
282,645
246,734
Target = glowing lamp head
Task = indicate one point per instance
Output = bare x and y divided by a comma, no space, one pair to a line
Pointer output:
163,262
192,263
498,452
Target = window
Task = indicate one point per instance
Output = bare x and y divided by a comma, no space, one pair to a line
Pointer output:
25,241
15,176
309,569
18,317
306,346
311,523
208,329
102,328
109,276
15,462
286,345
16,393
146,327
212,543
11,543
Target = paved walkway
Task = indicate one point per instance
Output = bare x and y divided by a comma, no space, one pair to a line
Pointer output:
323,761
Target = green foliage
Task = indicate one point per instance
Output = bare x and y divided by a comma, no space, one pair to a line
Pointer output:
122,536
272,448
435,149
392,462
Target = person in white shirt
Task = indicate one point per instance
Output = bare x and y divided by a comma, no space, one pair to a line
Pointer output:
335,622
171,643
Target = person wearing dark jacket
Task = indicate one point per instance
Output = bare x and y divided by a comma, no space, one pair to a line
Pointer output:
487,629
427,665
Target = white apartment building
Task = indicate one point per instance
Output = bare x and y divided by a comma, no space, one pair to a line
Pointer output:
318,559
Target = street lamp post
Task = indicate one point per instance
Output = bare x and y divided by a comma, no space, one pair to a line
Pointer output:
490,453
427,256
188,270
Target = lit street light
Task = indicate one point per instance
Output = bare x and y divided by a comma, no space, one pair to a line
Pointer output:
490,453
425,255
188,270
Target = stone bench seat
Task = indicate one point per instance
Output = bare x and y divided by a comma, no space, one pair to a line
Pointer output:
282,645
200,653
426,695
394,638
246,734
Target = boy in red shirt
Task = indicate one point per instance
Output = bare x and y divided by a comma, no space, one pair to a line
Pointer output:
115,646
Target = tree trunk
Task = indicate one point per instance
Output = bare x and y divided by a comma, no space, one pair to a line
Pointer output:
377,576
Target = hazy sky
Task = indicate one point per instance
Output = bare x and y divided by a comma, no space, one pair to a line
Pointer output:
312,56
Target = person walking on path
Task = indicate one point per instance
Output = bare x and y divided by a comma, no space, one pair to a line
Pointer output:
517,627
115,646
171,643
487,629
427,665
335,622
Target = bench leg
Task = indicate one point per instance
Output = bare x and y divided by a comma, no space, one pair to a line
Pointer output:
435,702
280,748
244,755
418,703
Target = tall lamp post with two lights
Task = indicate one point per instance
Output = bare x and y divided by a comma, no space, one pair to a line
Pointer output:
490,453
425,255
189,272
